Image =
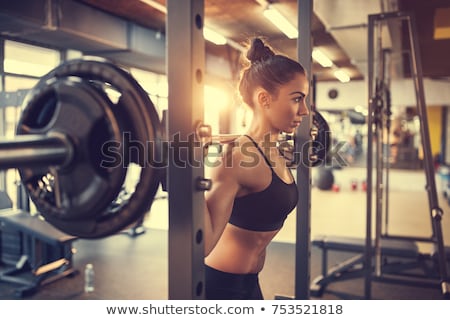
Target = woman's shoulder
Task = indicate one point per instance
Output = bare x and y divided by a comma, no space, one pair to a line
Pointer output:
235,158
241,164
241,153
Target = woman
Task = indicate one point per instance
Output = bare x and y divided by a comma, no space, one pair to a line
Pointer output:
253,191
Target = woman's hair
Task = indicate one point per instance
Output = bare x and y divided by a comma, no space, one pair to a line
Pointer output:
267,70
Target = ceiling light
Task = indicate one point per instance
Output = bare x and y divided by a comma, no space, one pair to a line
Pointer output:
156,5
321,58
342,76
214,37
281,22
209,35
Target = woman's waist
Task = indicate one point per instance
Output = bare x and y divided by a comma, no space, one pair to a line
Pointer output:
240,251
237,262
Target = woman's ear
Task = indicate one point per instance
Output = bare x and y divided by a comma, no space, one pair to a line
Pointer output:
264,99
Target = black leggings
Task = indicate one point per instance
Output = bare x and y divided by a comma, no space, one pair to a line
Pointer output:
229,286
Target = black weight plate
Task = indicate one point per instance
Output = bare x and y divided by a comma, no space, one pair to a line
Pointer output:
79,111
141,122
322,143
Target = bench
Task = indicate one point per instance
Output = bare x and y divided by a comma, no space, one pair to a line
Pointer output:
389,247
34,252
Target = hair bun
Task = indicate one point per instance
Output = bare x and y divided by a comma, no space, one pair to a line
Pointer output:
258,51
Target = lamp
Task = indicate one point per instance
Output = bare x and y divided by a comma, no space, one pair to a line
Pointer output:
321,58
342,76
213,36
209,34
274,16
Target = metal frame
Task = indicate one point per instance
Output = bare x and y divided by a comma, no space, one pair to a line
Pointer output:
2,110
185,53
402,248
375,130
185,71
303,138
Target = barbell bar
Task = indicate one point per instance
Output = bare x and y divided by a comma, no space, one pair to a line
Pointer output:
68,118
36,150
320,134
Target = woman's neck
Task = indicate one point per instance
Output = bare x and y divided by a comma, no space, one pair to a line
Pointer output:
260,132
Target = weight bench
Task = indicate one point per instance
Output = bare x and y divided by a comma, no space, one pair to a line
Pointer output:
34,252
394,248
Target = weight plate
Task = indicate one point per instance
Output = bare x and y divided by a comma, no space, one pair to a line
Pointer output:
100,158
322,143
80,112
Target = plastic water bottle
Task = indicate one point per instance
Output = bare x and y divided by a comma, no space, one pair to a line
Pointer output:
89,276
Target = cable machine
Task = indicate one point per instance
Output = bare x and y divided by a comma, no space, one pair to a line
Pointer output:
379,125
383,256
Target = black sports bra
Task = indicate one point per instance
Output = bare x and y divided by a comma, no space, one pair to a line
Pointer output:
265,210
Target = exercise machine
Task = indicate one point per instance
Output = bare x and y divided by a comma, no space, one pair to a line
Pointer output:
379,103
375,252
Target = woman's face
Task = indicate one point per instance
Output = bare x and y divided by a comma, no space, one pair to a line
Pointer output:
289,107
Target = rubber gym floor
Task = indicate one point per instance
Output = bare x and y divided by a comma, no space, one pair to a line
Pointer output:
136,268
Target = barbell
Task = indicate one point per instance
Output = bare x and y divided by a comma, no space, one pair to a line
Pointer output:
71,119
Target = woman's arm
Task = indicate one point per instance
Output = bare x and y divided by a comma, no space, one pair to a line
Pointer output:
219,200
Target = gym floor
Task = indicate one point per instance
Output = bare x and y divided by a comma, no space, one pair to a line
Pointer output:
136,267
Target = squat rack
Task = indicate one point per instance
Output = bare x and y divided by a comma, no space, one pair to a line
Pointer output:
185,70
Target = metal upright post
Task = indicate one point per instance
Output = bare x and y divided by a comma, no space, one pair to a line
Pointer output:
370,123
379,154
2,110
436,212
303,140
185,71
387,123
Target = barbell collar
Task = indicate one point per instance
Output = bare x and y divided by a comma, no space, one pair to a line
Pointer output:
35,150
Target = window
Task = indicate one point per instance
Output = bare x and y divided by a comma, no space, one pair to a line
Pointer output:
29,60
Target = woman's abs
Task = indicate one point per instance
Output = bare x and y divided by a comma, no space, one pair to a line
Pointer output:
240,251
